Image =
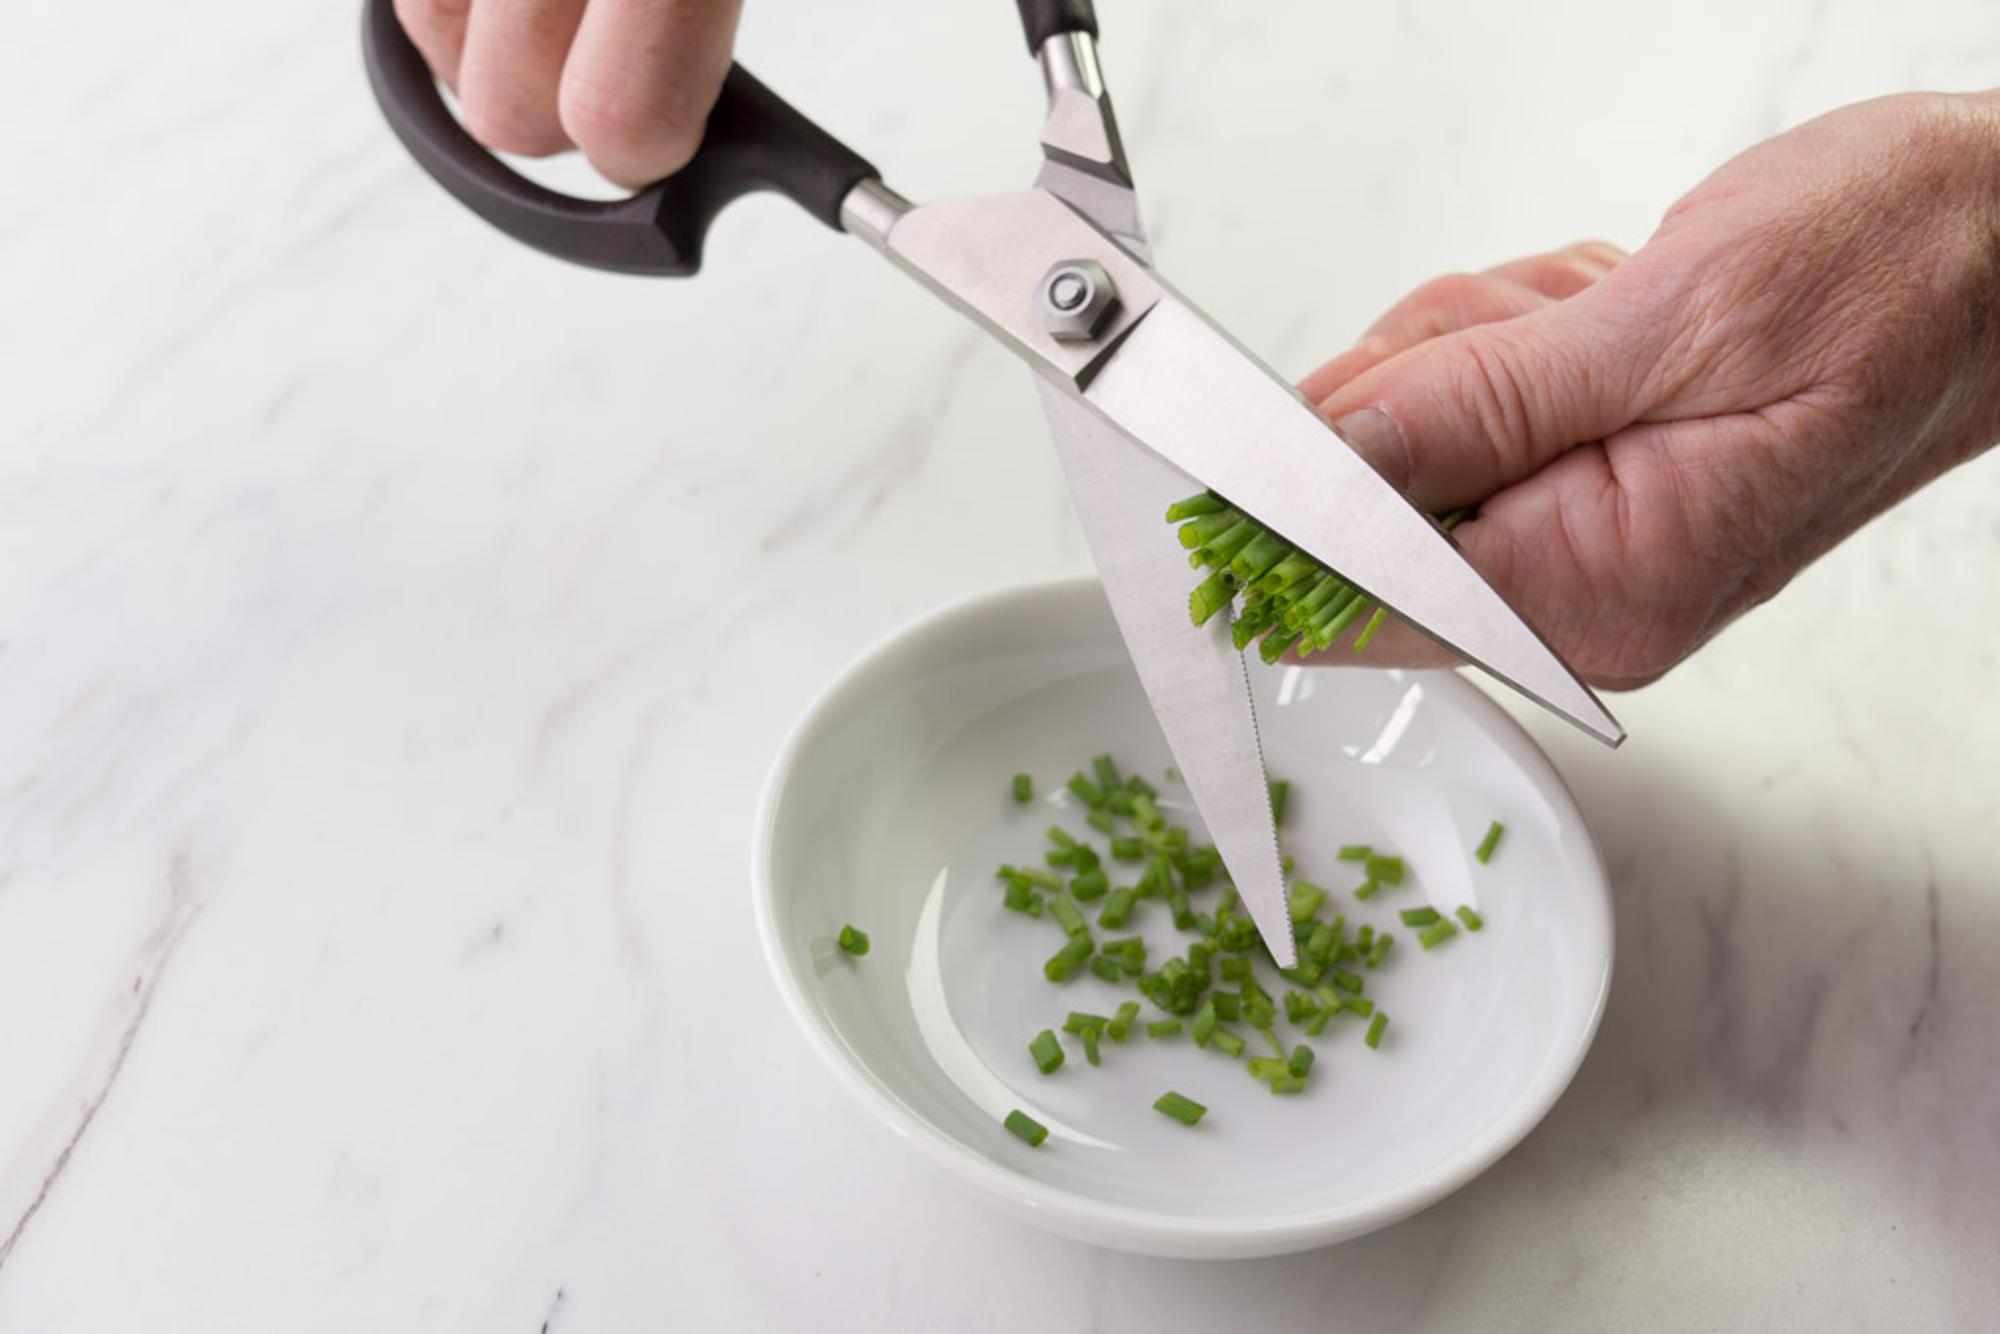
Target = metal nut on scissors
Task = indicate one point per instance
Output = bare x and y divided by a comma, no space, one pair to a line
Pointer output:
1077,298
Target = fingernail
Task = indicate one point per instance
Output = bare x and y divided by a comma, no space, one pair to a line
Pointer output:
1376,438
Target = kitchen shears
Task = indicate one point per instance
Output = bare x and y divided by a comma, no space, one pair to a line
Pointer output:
1147,399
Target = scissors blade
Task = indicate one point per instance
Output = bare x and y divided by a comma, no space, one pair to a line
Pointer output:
1193,676
1186,390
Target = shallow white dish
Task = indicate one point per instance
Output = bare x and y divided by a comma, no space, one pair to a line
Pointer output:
888,808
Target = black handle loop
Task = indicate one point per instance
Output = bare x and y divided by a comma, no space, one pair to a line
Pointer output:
1043,19
755,141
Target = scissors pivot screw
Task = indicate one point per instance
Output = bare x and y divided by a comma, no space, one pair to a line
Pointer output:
1077,297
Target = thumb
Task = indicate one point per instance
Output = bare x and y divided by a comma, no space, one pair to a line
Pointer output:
1451,421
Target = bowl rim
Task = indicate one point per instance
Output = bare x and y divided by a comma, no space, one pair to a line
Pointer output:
1060,1207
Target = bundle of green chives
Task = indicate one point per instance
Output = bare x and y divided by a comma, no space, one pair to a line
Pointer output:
1289,601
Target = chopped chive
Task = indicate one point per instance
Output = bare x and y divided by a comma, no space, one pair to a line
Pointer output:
1035,903
1206,502
1226,1005
1355,852
1105,772
1300,1061
1087,792
1163,1028
1035,875
1229,1042
1064,961
1090,885
1184,1110
853,942
1368,631
1120,1026
1383,943
1375,1027
1024,788
1026,1128
1203,1027
1347,982
1360,1005
1119,802
1118,907
1060,837
1235,968
1144,813
1081,1021
1281,792
1100,821
1364,937
1367,890
1132,953
1267,1067
1305,898
1437,933
1317,1024
1418,916
1389,870
1272,1038
1473,921
1106,967
1127,849
1484,853
1048,1052
1288,1084
1067,916
1177,900
1021,895
1138,786
1210,596
1089,1037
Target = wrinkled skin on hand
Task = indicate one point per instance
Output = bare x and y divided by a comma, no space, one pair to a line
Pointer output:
1658,443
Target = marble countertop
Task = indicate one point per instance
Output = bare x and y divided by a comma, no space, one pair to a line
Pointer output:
395,627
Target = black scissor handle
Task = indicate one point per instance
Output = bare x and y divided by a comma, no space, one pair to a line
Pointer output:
755,141
1043,19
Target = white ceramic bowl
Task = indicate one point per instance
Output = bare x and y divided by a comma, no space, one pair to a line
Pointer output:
888,808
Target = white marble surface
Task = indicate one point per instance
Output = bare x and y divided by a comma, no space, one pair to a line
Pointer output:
395,626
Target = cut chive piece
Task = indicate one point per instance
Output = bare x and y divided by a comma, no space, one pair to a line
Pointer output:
1484,853
1226,1005
1090,885
1064,961
1267,1067
1288,1084
1083,1021
1024,788
1026,1128
1163,1028
1355,852
1089,793
1021,896
1367,890
1060,837
1300,1061
1106,967
1347,982
1418,916
1184,1110
1305,898
1375,1027
1203,1027
853,942
1120,1027
1047,1051
1105,772
1360,1005
1229,1042
1383,943
1089,1036
1067,916
1235,968
1389,870
1118,907
1127,849
1101,822
1473,921
1144,813
1317,1024
1035,875
1206,502
1437,933
1281,792
1368,631
1210,596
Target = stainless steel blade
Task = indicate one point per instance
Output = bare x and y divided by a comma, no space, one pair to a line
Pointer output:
1205,405
1193,676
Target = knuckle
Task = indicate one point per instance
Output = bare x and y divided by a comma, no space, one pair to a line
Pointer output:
428,21
508,122
626,130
